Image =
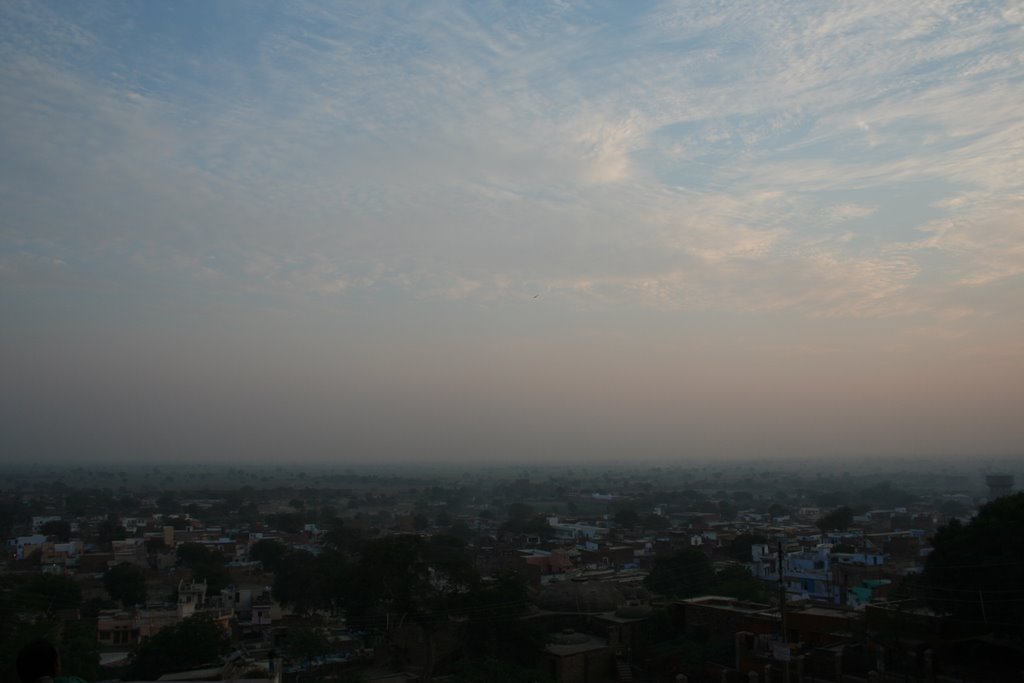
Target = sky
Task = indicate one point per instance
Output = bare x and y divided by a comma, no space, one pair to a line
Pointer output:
502,232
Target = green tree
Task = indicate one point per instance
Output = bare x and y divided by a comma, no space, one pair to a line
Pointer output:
952,508
461,531
839,519
188,644
346,540
191,554
519,511
494,670
741,545
451,563
683,575
206,565
155,546
496,638
656,522
167,503
627,517
6,518
288,522
109,530
533,526
334,572
59,528
79,651
736,581
298,581
44,593
304,644
975,570
727,510
75,641
269,552
125,583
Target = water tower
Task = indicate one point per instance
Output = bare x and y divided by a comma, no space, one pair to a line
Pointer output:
999,485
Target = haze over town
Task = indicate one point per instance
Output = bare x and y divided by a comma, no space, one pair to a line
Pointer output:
475,231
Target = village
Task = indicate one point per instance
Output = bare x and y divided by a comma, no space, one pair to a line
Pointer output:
581,575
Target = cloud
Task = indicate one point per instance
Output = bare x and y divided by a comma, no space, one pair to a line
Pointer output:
680,156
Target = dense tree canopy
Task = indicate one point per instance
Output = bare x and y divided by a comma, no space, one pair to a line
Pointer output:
298,581
304,644
976,570
839,519
627,517
126,583
683,575
742,544
207,565
188,644
58,528
689,573
269,552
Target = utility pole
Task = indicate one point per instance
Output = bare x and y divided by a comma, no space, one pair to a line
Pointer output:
782,591
782,605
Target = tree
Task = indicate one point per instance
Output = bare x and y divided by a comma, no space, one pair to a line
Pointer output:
839,519
975,572
461,531
188,644
79,651
452,565
736,581
125,583
683,575
6,518
656,522
304,644
298,582
519,511
155,545
952,508
499,644
269,552
496,671
334,572
885,495
109,530
76,642
741,545
627,517
206,565
48,592
534,526
59,528
727,510
167,503
345,540
289,522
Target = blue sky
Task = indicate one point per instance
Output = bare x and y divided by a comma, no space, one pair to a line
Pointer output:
538,230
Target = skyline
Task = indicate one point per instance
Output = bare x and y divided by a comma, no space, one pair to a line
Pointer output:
433,232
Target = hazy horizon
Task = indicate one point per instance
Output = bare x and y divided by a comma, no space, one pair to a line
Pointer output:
478,232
